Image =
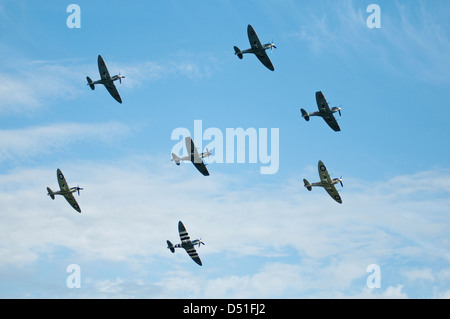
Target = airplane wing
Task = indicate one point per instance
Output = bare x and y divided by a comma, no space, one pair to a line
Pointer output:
113,91
202,168
322,104
331,121
328,183
191,251
256,45
331,190
65,188
69,197
264,58
193,254
102,69
323,173
182,231
196,159
62,181
253,38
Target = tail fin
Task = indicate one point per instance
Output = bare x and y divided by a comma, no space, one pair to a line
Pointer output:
50,193
238,52
90,83
305,114
176,159
307,184
170,246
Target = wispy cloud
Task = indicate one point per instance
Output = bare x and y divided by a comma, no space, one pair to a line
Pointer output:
28,85
187,65
420,40
39,140
410,42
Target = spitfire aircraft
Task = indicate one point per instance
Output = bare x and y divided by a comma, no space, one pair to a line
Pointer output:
324,111
187,244
194,157
257,48
65,191
106,80
326,182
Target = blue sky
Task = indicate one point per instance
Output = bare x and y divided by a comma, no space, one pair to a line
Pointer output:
266,236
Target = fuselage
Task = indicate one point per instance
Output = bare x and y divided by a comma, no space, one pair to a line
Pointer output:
187,244
325,111
71,190
325,184
106,81
257,50
191,157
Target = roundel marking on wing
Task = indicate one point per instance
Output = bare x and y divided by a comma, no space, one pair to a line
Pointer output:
61,176
322,168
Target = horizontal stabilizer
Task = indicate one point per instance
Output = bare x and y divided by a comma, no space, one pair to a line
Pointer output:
305,114
307,184
238,52
90,83
170,246
50,193
176,159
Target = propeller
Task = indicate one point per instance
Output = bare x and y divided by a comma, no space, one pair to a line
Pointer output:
273,46
340,181
339,110
120,77
200,242
78,189
207,153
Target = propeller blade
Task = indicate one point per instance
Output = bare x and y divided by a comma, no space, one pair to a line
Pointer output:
339,112
120,77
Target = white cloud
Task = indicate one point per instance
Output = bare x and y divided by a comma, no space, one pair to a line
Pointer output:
419,274
130,208
394,292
